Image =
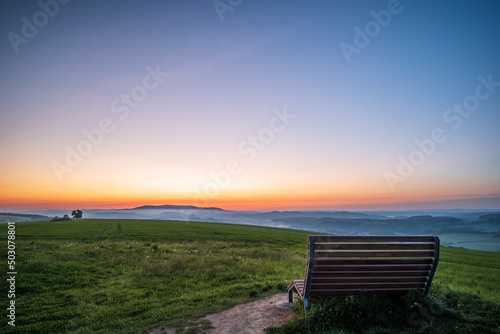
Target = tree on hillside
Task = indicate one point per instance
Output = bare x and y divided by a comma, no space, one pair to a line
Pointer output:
77,214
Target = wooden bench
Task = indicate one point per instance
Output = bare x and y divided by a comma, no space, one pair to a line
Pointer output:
346,265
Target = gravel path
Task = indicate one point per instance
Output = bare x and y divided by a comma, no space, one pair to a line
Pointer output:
248,318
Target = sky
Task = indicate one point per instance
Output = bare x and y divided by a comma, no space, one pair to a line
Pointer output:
249,105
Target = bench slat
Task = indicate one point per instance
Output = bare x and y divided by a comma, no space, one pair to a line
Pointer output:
366,254
345,292
321,274
374,246
381,285
378,267
370,238
360,261
299,284
375,279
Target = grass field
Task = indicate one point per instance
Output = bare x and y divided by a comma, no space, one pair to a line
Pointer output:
128,276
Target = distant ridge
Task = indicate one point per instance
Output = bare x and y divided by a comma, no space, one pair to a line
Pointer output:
18,217
175,207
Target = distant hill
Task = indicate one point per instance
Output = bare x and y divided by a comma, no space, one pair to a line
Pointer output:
21,217
491,218
174,207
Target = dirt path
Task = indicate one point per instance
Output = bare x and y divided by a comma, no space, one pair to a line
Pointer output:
248,318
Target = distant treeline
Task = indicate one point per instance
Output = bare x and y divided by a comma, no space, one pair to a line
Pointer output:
491,218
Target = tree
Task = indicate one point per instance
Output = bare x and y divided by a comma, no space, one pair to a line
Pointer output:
77,214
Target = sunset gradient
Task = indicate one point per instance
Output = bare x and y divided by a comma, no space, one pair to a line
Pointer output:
261,105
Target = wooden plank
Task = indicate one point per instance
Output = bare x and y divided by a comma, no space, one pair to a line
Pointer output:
376,267
360,261
298,284
317,292
367,254
369,238
297,281
374,246
333,286
398,273
346,292
375,279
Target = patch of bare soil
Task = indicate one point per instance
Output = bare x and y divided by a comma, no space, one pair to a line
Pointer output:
248,318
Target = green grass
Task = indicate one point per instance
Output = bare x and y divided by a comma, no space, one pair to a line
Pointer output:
471,272
108,276
92,230
128,276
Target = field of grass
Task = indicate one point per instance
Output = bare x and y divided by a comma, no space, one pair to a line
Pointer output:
128,276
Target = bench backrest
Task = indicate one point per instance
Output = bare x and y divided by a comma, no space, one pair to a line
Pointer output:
345,265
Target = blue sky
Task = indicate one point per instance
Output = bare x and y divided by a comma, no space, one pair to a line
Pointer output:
353,119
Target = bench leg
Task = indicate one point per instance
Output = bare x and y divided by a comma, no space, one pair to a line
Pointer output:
290,296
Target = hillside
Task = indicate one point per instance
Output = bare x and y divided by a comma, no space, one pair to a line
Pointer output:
21,217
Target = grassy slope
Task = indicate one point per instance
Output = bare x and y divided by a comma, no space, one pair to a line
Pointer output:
467,271
110,276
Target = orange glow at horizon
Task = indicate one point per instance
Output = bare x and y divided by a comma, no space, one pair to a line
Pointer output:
259,188
236,201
